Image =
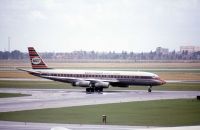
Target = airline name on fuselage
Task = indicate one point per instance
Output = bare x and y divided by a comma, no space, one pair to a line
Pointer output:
100,73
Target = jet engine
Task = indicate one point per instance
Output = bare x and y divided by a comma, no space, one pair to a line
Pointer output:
82,83
101,84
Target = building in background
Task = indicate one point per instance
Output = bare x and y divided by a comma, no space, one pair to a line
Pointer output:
160,50
189,49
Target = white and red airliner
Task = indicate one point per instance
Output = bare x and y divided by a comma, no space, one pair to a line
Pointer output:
92,80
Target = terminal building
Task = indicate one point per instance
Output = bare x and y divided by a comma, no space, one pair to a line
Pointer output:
189,49
160,50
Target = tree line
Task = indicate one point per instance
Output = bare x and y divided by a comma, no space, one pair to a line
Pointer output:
92,55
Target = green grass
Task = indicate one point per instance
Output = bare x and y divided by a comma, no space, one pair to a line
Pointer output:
147,113
58,85
6,95
34,84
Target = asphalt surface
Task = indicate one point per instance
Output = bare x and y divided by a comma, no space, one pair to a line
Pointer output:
55,98
8,125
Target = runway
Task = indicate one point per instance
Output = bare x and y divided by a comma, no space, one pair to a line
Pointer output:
55,98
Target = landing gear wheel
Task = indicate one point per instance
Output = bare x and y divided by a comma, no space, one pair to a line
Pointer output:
89,90
92,90
99,90
149,89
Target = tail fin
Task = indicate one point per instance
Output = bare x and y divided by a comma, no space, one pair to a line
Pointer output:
36,61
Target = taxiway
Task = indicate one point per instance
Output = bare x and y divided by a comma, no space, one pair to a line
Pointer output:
55,98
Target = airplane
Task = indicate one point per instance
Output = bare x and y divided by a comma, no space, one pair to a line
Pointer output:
92,80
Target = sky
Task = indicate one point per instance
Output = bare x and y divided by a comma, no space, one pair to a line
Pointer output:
99,25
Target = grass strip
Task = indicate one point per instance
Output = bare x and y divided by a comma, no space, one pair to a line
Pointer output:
6,95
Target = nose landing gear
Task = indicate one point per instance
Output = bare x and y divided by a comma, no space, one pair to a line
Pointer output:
150,89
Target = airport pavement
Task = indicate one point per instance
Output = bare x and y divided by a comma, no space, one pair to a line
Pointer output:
55,98
8,125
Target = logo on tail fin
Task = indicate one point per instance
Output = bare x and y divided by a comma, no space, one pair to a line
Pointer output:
36,60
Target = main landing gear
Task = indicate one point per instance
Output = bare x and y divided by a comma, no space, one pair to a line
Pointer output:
93,90
149,89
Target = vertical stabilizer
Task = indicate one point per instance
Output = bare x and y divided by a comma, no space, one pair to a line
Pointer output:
36,60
